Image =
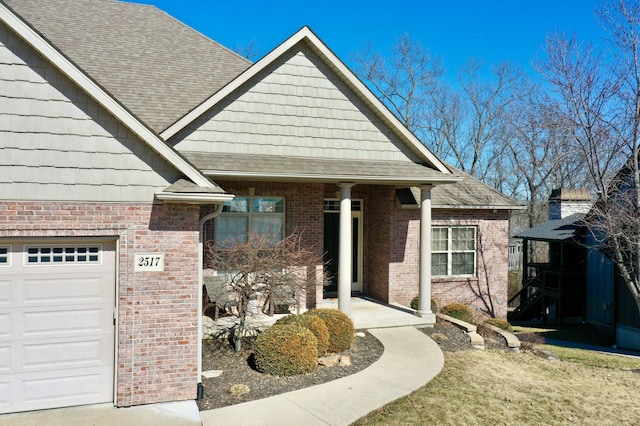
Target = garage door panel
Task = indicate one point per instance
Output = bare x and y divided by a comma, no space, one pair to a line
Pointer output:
63,290
5,292
61,355
65,322
56,327
5,395
5,359
5,326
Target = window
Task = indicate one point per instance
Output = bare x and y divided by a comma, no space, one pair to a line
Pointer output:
453,250
62,254
4,256
242,215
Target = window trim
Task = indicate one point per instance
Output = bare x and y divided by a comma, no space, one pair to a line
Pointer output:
6,256
249,214
450,250
63,255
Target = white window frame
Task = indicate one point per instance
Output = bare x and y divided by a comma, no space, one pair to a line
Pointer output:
251,215
450,252
61,250
5,254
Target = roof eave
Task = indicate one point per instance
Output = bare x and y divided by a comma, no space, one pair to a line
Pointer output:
202,198
363,179
477,207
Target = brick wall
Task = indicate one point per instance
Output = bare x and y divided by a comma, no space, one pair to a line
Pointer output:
304,213
391,243
487,291
157,311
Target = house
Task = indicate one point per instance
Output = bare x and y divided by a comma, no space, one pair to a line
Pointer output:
576,282
128,140
553,278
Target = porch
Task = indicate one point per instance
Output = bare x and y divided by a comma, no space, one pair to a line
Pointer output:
366,313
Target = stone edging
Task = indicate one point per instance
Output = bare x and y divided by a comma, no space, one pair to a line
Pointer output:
512,341
477,341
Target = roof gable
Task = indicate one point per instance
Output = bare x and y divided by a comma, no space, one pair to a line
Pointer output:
153,64
89,86
311,42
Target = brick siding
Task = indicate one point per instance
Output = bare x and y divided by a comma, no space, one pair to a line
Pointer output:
391,243
157,311
485,292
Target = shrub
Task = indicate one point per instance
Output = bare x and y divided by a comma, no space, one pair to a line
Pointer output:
314,324
499,322
340,326
286,350
415,304
458,311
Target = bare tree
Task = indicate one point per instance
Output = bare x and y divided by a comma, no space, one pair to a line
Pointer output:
597,98
536,151
264,266
404,81
249,51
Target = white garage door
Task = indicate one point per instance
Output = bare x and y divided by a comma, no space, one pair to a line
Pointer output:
56,323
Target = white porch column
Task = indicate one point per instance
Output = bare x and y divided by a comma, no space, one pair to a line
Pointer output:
424,309
345,257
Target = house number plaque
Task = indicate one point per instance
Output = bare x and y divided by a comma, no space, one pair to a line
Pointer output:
149,262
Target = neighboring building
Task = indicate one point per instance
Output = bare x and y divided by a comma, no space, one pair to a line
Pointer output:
578,282
515,254
115,121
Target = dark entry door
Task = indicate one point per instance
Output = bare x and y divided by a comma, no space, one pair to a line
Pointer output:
332,251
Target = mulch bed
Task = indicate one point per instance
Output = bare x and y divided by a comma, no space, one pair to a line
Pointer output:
238,368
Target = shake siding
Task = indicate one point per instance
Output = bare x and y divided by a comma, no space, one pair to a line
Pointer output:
298,107
56,143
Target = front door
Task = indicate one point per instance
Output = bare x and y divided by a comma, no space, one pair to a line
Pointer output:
332,244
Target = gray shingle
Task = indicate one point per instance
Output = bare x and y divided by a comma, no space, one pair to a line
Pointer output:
299,168
554,230
153,64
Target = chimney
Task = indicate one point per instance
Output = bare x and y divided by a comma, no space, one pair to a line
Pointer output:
564,202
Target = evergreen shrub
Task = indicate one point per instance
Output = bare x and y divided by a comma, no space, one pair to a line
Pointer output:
458,311
286,350
340,326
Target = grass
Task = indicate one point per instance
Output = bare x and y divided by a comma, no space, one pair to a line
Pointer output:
497,388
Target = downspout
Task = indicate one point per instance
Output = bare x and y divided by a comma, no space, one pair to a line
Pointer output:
205,219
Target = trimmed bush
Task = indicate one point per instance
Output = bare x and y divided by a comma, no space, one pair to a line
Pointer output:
340,326
415,304
286,350
500,323
312,323
458,311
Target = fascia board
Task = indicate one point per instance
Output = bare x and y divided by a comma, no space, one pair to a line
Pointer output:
95,91
169,197
289,177
354,82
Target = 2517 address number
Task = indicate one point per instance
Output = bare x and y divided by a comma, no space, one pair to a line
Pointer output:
148,262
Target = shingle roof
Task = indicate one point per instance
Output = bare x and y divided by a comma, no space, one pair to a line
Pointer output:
554,230
470,193
254,166
153,64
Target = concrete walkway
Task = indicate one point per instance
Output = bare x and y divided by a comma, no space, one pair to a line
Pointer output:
409,361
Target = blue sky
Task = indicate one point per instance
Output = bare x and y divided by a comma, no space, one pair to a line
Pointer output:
492,30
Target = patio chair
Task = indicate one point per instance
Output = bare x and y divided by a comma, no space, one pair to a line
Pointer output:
279,297
218,295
